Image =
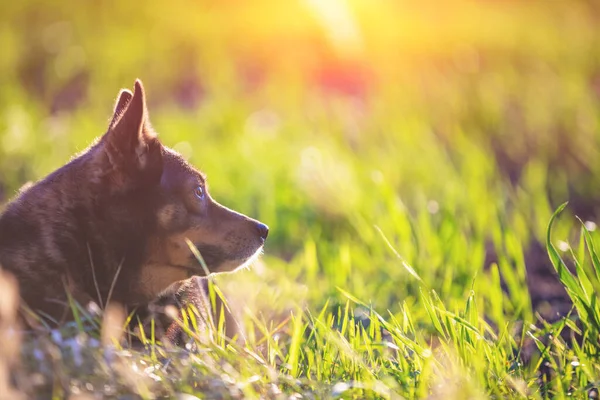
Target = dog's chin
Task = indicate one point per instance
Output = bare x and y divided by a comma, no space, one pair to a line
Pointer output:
230,266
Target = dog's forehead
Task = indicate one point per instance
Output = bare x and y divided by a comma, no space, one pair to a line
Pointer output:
176,170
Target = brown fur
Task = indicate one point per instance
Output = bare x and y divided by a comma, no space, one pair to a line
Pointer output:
115,221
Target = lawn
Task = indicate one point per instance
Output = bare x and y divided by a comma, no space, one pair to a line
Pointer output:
408,157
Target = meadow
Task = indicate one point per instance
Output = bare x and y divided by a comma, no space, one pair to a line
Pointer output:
412,160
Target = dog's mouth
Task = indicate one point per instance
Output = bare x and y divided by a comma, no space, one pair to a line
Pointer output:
213,259
245,264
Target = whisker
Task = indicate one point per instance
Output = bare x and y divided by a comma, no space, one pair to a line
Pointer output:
94,276
114,281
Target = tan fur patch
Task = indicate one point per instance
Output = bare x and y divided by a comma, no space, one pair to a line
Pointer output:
156,277
165,215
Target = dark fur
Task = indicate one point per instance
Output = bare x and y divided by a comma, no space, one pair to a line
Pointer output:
187,297
118,215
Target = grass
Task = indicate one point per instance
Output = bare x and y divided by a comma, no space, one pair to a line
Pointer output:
405,176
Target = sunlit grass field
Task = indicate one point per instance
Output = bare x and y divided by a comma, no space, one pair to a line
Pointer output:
408,158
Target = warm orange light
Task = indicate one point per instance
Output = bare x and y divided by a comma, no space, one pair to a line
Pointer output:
340,25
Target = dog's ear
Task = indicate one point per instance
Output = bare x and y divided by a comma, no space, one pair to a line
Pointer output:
123,100
131,145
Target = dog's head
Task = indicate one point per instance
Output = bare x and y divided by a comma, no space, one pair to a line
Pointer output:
148,178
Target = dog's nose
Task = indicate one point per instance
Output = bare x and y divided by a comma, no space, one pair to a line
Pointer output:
263,230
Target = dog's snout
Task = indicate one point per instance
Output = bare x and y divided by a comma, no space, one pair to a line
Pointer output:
263,230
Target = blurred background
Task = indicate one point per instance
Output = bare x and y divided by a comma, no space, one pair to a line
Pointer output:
449,131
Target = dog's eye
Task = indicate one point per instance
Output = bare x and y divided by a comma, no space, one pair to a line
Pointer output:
199,192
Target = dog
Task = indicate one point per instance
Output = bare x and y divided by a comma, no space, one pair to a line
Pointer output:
119,223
